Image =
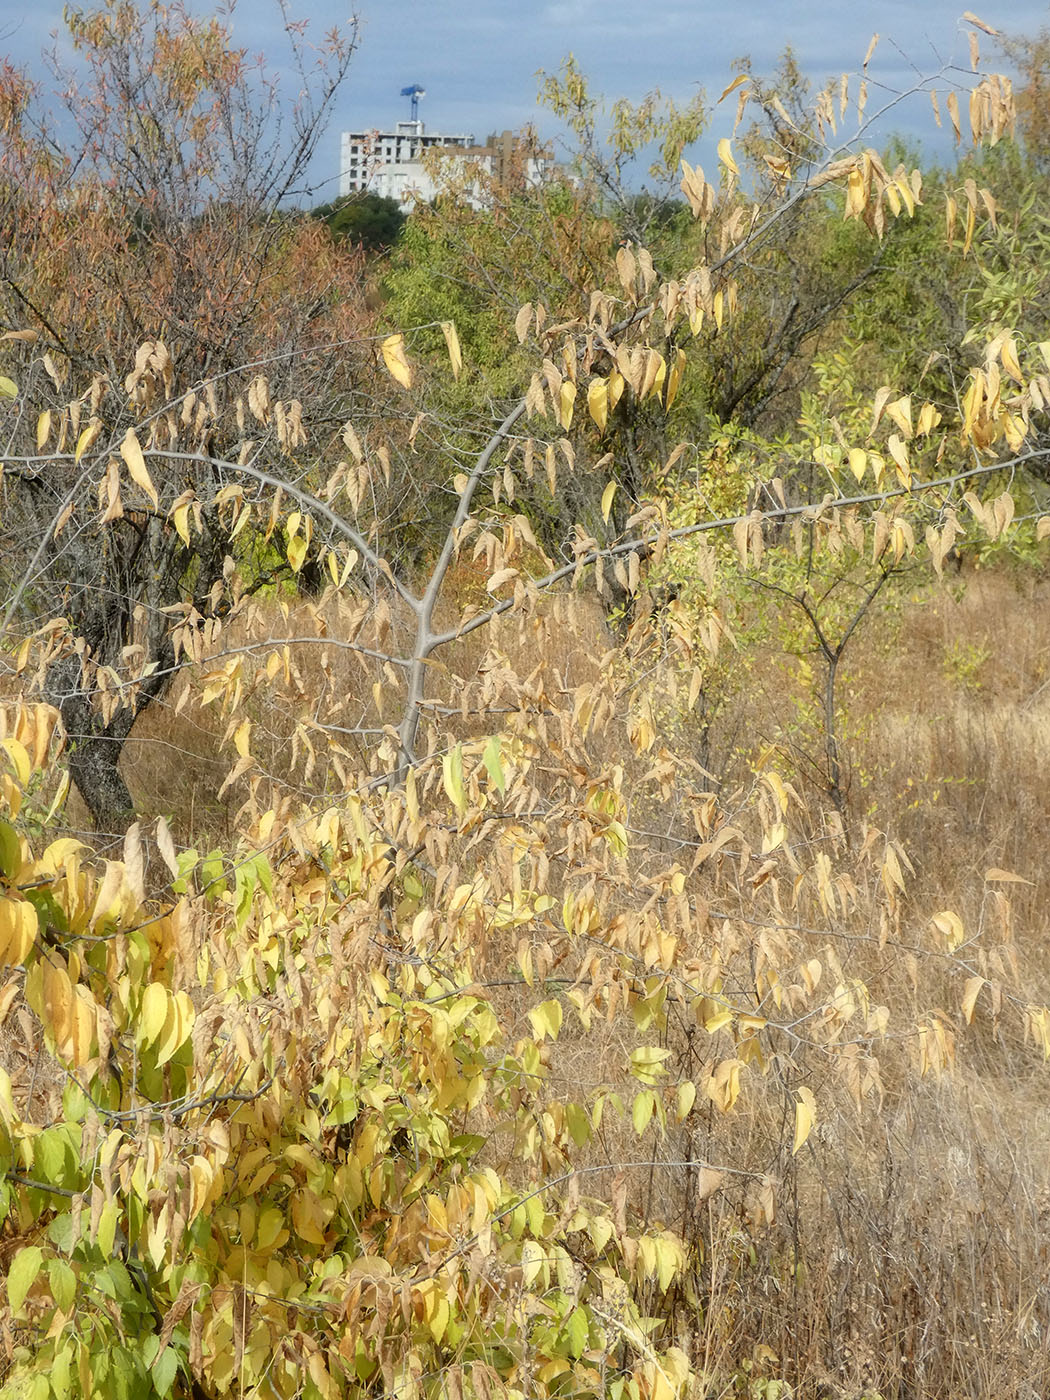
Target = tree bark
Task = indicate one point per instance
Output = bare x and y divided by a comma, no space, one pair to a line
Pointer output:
94,767
94,747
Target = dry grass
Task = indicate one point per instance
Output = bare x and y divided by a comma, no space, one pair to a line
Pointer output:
909,1256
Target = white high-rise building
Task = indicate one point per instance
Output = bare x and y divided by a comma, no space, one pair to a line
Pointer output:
391,162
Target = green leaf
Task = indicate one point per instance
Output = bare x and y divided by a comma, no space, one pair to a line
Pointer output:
8,387
10,851
107,1228
50,1150
264,874
63,1283
115,1280
245,881
186,861
578,1123
125,1378
576,1332
22,1274
213,874
60,1232
493,761
165,1369
60,1371
75,1103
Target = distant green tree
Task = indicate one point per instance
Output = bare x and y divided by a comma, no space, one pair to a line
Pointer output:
372,220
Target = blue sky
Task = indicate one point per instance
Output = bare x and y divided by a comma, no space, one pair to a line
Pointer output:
478,59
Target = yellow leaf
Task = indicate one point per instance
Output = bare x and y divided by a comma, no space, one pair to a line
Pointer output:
653,375
131,451
177,1026
77,1047
660,1387
452,778
16,752
953,112
607,500
805,1116
546,1019
737,81
566,400
950,926
455,355
972,19
8,387
181,515
305,1217
87,438
1008,355
674,377
899,452
928,420
900,411
297,548
970,994
153,1013
522,321
438,1318
18,930
598,401
57,1002
685,1097
201,1178
499,578
394,357
856,195
43,428
725,155
642,1110
532,1259
1006,876
723,1086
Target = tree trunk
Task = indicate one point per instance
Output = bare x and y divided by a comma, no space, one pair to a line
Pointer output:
94,767
94,747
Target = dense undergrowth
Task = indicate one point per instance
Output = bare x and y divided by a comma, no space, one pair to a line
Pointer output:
521,851
900,1251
